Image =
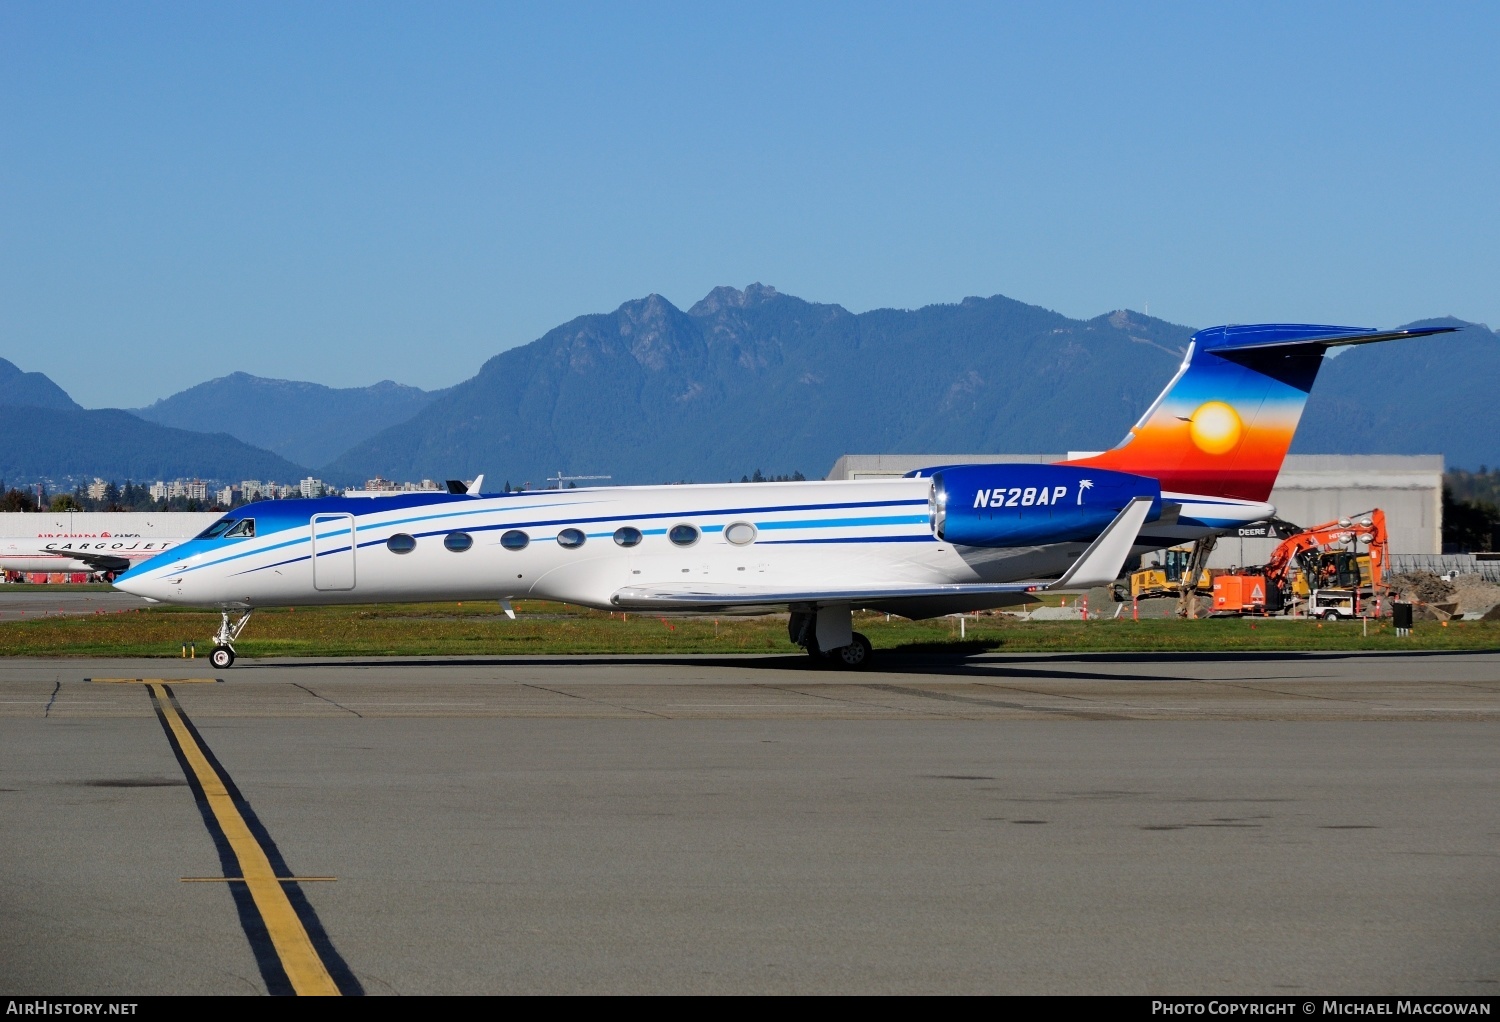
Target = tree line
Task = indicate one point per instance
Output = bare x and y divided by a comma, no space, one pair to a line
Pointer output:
130,497
1471,510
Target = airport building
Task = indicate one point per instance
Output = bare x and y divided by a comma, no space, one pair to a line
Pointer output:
104,524
1311,489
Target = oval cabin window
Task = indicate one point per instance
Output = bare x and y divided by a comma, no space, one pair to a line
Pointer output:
401,543
458,542
627,536
570,538
740,533
683,535
515,539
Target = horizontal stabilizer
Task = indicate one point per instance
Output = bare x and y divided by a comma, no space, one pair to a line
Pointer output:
1329,341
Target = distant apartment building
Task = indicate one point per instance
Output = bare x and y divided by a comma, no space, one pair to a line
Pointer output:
158,490
229,495
251,488
380,485
311,487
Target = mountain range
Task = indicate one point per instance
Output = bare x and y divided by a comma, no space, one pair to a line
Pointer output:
743,380
306,423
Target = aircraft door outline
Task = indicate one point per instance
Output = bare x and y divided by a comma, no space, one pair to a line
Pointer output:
333,552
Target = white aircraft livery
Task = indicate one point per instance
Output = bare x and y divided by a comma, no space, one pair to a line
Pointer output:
945,539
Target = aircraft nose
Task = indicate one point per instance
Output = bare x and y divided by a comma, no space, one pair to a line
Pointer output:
134,586
147,585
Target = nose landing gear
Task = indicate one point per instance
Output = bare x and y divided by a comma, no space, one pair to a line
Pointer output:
222,656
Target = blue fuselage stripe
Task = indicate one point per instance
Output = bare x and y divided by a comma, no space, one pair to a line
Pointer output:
384,527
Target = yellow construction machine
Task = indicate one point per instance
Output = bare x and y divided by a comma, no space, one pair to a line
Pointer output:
1163,577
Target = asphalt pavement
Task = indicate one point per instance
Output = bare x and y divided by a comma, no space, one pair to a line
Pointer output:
1147,824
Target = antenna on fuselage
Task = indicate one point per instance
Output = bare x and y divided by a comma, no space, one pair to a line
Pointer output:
559,479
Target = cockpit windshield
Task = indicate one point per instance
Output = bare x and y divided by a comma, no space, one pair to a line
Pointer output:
218,528
230,528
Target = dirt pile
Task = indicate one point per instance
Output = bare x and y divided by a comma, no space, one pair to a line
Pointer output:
1422,587
1470,595
1476,595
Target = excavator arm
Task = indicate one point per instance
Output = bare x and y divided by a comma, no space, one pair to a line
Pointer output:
1367,529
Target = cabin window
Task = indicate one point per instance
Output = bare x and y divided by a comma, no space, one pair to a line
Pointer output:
458,542
740,533
244,530
218,528
570,538
683,535
627,536
515,539
401,543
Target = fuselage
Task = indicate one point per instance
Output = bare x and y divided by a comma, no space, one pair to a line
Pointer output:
583,545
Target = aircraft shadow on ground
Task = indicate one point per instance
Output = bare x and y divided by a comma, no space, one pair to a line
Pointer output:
971,660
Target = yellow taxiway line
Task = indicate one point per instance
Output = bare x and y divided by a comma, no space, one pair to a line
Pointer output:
304,967
154,681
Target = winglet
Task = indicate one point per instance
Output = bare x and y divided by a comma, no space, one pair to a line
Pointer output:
1103,561
473,489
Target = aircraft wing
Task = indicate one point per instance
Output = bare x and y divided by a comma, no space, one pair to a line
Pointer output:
33,556
1100,564
98,562
709,596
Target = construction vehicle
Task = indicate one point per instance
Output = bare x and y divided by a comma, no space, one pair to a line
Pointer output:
1164,577
1320,571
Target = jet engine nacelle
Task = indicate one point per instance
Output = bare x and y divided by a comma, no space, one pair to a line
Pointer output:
1019,505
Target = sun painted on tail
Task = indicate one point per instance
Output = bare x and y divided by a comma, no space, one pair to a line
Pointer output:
1215,428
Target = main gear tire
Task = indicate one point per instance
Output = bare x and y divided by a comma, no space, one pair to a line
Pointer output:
856,656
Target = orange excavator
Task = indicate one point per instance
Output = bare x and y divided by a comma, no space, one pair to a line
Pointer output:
1322,566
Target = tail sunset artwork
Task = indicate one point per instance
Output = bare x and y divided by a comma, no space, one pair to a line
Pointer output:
1224,424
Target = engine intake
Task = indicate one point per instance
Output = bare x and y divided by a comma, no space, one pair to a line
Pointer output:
1021,504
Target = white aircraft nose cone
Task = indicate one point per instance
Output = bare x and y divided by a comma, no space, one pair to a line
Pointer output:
157,586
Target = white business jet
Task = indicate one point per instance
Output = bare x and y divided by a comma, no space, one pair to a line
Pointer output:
1201,460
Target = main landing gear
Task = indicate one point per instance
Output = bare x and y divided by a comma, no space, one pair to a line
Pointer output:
222,656
827,635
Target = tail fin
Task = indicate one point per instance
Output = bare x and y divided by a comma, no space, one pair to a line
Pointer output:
1223,425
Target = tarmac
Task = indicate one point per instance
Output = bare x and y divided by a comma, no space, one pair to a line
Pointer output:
1297,824
31,601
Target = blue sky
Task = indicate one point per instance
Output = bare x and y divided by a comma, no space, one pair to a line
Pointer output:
346,193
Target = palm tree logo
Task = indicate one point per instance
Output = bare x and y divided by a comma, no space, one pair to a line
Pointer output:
1084,484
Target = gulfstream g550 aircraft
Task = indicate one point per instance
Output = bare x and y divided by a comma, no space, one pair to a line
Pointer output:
951,538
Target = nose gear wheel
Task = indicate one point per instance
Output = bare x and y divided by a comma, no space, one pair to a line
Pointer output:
222,656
